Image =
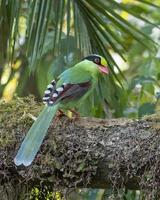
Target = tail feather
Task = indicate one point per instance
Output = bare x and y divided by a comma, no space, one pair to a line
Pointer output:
35,136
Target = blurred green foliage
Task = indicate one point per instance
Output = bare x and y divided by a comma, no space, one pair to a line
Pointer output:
40,39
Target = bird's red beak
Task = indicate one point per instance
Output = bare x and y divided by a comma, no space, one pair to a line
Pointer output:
103,69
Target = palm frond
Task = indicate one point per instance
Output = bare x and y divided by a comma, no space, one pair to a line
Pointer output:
9,19
149,3
82,19
39,13
70,29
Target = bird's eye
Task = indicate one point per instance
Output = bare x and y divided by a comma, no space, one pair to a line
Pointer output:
97,60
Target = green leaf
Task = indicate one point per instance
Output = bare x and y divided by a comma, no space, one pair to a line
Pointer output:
146,109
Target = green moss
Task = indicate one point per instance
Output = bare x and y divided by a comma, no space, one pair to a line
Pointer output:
63,155
10,124
155,120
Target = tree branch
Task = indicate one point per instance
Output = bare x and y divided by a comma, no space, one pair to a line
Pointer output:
87,152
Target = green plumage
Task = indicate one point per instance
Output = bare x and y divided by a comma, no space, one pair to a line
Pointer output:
35,136
82,73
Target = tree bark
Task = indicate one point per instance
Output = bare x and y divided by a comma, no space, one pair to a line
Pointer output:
85,152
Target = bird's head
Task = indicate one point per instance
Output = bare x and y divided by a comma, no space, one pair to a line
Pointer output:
99,61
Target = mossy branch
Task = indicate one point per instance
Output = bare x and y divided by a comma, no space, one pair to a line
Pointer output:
87,152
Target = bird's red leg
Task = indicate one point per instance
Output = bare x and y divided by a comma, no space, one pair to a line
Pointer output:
61,113
58,116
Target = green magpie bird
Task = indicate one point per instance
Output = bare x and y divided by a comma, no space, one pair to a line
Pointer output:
68,90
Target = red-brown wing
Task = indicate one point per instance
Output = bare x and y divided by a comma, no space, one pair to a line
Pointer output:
68,92
74,91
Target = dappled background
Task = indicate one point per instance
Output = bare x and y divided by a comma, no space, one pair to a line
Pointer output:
40,39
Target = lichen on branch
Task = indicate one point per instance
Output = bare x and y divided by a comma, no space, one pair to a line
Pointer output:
87,152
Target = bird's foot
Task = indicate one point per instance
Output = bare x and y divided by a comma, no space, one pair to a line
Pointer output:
58,116
75,114
61,114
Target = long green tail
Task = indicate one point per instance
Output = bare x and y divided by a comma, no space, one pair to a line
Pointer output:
35,136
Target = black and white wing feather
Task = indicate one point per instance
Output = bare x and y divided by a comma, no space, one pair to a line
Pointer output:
65,93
